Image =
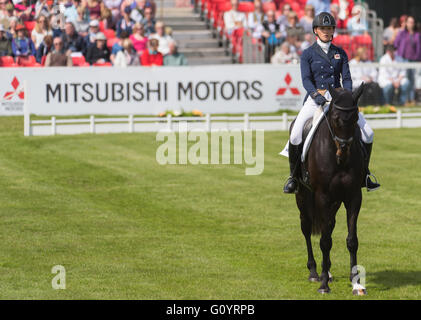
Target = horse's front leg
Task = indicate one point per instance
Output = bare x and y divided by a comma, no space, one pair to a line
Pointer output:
326,246
353,206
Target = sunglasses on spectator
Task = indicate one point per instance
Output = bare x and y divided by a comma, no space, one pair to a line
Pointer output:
57,43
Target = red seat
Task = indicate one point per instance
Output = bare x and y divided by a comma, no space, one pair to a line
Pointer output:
267,6
7,61
221,8
213,9
111,42
105,64
246,7
295,7
109,33
28,61
363,41
101,26
79,62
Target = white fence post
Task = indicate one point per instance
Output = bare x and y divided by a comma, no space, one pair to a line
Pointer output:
285,121
92,124
208,122
27,131
131,123
169,122
53,126
399,119
246,122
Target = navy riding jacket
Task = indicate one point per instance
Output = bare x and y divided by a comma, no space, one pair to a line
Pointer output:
321,71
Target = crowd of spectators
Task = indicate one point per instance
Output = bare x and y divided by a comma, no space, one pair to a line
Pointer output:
285,35
91,32
280,23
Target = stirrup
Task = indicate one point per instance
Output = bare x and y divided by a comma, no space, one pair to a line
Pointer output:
367,178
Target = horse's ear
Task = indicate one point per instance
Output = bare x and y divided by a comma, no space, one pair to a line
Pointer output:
333,93
357,93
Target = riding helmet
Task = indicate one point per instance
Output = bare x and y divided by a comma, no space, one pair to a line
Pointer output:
324,19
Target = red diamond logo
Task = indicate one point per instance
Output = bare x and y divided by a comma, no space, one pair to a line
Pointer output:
19,92
294,91
288,79
15,83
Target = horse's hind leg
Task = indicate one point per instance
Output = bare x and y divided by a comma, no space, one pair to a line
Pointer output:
304,203
328,212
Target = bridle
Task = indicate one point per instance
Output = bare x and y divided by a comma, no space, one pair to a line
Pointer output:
340,143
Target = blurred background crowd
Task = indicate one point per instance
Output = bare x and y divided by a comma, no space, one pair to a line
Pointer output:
127,33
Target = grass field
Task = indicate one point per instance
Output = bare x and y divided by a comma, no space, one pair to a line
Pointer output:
125,227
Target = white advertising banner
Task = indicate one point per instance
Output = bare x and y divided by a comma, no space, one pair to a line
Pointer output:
151,90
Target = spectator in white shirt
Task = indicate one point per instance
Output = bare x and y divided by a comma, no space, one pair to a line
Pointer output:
392,80
162,37
284,55
361,74
255,19
234,19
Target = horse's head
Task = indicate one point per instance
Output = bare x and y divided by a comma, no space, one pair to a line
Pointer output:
343,118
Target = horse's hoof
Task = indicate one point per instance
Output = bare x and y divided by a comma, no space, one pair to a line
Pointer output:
359,292
313,279
323,290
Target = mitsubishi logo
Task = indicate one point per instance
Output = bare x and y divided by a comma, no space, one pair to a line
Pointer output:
281,91
18,91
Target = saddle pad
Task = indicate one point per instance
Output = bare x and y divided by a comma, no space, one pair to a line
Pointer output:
309,138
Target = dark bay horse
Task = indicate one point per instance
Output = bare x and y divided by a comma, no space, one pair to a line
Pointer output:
335,166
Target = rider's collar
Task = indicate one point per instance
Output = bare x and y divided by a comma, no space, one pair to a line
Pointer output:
324,45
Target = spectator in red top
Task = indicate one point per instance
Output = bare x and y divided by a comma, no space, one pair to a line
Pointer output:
151,56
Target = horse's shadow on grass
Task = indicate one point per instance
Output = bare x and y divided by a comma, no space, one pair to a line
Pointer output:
396,278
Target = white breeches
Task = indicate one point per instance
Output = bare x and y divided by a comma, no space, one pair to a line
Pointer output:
307,112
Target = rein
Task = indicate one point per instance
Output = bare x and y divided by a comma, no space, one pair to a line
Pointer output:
335,138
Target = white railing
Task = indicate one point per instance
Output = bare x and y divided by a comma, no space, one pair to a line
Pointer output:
130,123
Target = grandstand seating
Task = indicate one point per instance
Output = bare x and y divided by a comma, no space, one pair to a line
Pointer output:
28,61
109,33
213,12
79,61
8,61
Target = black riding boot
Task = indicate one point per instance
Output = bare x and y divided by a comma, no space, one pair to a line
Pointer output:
371,186
294,154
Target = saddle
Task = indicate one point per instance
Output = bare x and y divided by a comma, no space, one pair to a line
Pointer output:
310,128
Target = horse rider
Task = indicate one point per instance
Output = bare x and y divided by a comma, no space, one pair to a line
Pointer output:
322,66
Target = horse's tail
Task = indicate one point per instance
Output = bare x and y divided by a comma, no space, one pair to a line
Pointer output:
316,224
317,220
